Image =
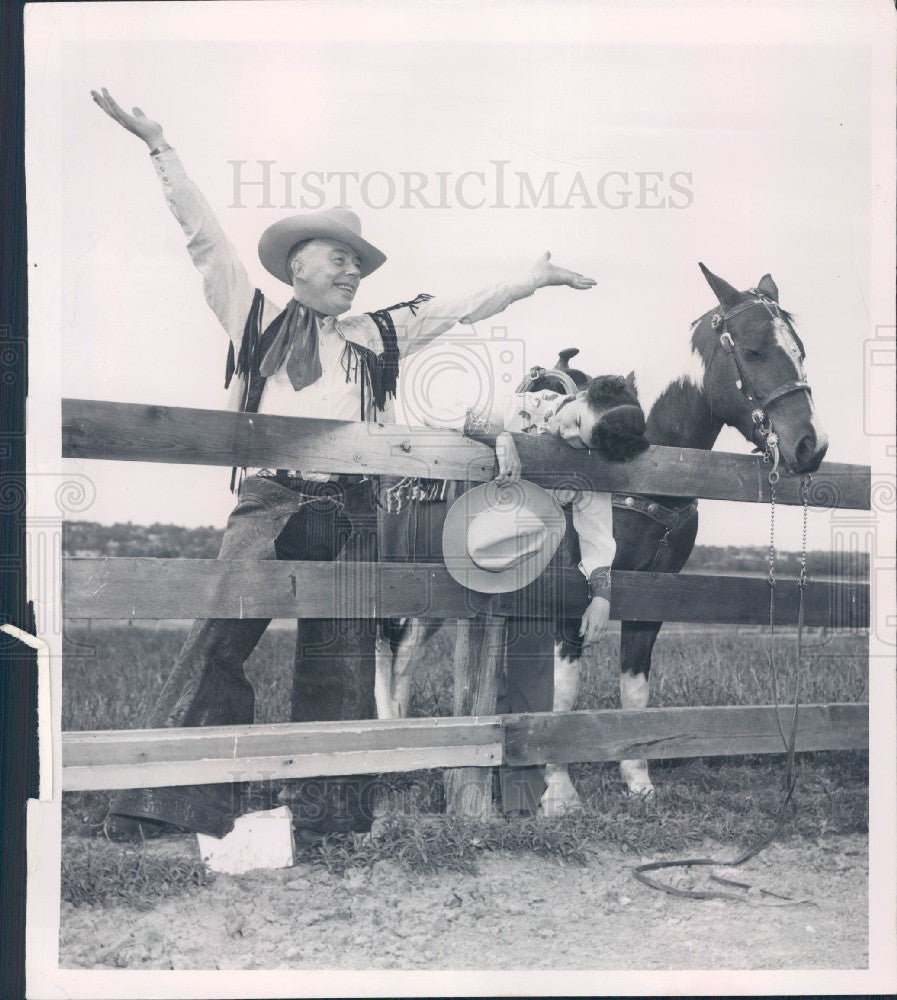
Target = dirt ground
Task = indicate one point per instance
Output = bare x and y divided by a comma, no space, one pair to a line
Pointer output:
519,911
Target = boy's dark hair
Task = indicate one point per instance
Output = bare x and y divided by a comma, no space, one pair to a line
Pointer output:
620,432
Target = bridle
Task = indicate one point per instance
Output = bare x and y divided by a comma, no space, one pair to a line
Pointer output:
787,807
758,404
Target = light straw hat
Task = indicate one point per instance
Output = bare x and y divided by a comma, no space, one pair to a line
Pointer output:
497,539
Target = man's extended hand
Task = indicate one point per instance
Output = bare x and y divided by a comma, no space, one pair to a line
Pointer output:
545,273
143,127
595,620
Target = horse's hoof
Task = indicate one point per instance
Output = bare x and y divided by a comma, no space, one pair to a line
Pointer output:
636,778
121,829
559,807
378,827
640,791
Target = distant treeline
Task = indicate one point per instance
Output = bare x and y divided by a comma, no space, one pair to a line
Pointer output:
169,541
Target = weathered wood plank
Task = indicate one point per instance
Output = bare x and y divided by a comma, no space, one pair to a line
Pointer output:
210,770
123,587
139,758
134,432
141,746
478,663
662,733
162,757
146,433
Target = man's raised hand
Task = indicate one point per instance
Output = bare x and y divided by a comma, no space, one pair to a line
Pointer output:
545,273
143,127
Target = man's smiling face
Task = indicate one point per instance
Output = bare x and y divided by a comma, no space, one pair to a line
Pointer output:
326,274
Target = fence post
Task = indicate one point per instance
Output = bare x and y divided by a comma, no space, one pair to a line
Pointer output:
479,659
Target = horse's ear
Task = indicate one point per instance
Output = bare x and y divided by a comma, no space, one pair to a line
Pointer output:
768,287
727,295
630,381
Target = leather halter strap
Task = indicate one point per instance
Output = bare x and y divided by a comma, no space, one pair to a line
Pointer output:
758,403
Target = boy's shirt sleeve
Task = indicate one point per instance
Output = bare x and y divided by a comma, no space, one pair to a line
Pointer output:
593,519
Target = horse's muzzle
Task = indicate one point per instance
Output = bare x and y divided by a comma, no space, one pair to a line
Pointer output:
808,454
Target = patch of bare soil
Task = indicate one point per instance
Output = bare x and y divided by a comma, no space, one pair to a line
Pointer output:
519,911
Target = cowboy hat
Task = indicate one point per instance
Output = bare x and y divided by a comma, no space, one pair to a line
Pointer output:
330,224
500,538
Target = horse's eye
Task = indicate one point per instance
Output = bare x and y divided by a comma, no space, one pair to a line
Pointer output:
752,355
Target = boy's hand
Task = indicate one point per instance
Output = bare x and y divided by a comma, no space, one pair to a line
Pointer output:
509,467
137,123
595,620
545,273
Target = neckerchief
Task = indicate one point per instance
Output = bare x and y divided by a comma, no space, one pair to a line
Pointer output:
296,343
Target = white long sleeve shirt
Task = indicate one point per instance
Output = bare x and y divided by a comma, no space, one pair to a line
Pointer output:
229,291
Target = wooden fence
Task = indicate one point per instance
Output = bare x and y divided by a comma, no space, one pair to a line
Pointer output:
179,588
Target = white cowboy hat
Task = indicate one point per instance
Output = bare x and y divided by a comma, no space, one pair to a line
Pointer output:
331,224
497,539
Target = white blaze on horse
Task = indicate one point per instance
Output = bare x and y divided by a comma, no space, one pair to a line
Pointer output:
751,377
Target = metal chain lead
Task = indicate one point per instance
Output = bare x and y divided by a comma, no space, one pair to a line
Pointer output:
802,580
805,500
771,580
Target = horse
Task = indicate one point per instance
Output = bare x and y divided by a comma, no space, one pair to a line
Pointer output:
752,378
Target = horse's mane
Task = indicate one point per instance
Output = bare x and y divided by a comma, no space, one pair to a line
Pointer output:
682,405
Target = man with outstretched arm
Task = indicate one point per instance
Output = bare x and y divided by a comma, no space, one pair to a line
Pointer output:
306,360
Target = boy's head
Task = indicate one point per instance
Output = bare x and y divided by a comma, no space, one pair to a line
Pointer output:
605,416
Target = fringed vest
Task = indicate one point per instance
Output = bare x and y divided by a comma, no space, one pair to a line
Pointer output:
375,374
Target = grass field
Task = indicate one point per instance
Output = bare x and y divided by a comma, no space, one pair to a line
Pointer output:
112,675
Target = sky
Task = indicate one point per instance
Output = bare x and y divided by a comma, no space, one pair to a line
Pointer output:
772,141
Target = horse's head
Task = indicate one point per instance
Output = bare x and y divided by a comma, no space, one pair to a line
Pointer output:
754,377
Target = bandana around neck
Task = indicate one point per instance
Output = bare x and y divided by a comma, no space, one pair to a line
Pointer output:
296,343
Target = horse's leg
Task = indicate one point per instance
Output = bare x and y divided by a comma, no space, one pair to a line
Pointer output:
636,644
390,632
398,639
560,795
413,639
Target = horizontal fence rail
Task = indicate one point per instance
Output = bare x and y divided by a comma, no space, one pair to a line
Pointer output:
123,587
145,588
148,433
164,757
